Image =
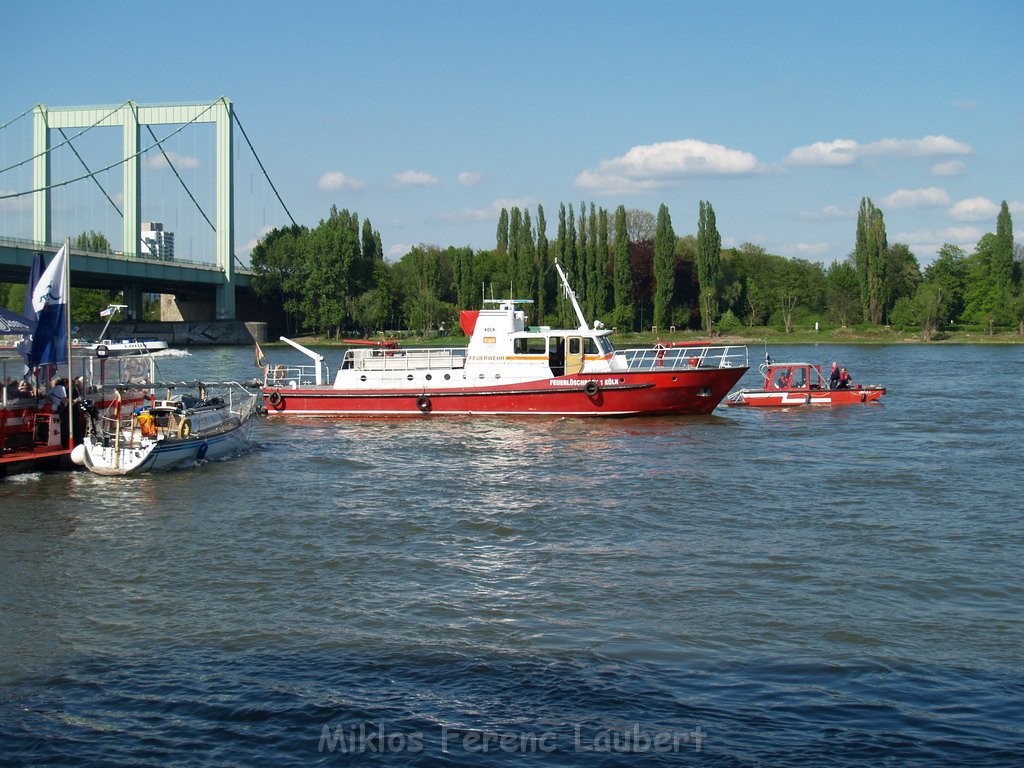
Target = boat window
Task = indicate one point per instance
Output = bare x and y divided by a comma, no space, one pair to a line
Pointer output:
604,345
799,379
531,345
782,376
590,346
574,345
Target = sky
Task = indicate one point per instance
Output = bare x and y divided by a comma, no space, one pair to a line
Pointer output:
429,117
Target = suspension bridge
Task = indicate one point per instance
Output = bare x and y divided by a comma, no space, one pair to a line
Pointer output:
42,192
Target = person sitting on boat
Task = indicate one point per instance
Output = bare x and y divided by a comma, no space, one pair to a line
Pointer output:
833,379
844,379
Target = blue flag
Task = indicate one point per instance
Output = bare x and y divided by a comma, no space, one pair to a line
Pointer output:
50,308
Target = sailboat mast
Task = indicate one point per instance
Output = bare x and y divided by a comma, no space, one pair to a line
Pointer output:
67,337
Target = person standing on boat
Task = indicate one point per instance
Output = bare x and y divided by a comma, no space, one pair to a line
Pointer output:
844,379
58,397
833,379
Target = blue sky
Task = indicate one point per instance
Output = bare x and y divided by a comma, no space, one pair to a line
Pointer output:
429,117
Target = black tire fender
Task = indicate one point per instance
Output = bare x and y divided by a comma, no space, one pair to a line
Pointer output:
591,388
424,404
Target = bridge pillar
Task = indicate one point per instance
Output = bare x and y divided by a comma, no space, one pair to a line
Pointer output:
133,298
41,175
225,210
132,224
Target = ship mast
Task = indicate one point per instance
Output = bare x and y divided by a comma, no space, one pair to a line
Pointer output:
571,294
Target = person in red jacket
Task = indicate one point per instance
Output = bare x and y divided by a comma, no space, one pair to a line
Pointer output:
844,379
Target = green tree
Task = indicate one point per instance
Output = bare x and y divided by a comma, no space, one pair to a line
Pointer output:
622,274
709,254
871,257
525,276
278,267
925,308
949,272
543,270
515,243
581,279
503,231
842,293
903,275
988,294
664,268
1002,249
602,286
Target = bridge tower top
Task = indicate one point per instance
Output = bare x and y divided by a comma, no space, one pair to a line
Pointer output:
130,116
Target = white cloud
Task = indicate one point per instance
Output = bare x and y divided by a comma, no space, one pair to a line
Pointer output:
610,184
829,212
963,236
807,250
247,248
156,161
845,152
948,168
416,179
647,167
838,152
928,197
466,215
397,251
974,209
470,178
333,180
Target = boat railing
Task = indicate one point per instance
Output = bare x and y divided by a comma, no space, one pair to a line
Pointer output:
283,375
675,358
442,358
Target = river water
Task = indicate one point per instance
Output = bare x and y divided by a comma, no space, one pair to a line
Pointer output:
803,587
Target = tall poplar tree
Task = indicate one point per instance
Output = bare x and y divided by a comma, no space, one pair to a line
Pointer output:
709,255
524,279
622,280
871,255
503,231
580,281
1002,252
542,263
592,276
514,244
561,256
604,285
664,268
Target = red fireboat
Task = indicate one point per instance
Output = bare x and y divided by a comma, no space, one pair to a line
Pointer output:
789,384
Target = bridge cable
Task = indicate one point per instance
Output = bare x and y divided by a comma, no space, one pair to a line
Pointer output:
159,144
122,161
16,119
72,146
266,175
51,149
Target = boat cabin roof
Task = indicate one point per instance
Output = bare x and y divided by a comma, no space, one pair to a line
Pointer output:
790,376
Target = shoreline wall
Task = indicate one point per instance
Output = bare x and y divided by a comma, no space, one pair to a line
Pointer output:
181,334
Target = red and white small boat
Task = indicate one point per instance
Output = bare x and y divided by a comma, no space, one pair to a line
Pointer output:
510,367
788,384
31,438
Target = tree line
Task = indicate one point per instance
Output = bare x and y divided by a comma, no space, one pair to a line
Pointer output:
630,270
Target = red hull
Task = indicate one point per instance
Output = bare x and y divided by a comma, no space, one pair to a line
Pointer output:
617,394
760,398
